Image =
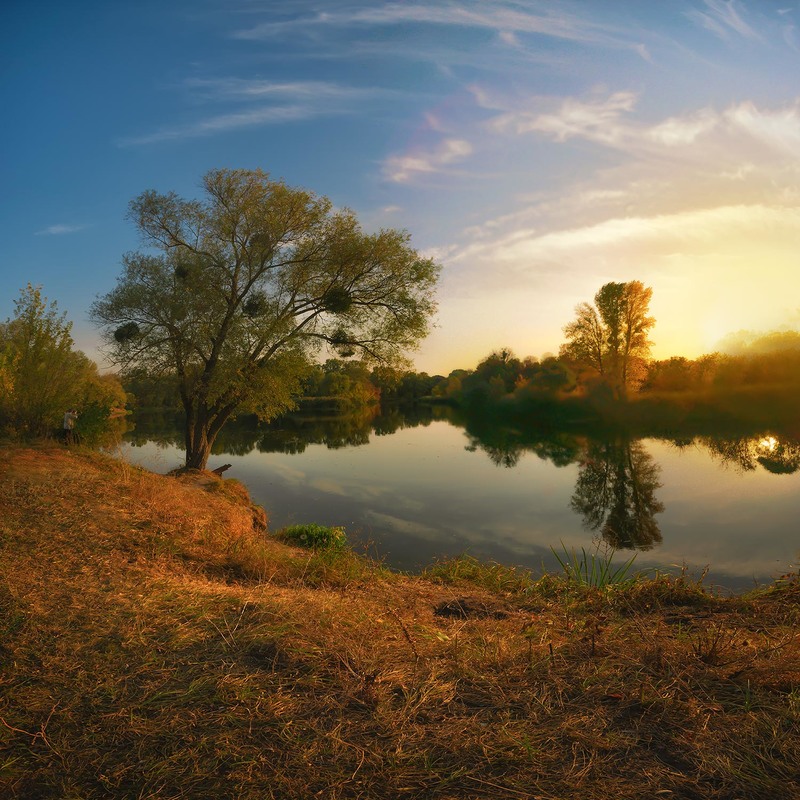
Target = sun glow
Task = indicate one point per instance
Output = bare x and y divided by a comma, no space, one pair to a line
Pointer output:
768,443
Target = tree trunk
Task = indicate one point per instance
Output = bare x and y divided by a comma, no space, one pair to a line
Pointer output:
202,427
198,444
197,457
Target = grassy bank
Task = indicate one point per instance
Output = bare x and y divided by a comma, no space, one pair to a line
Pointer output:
156,642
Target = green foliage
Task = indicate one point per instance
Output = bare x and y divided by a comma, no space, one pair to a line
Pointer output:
595,570
345,385
93,424
493,378
503,380
409,387
153,392
41,376
250,283
586,340
313,536
39,370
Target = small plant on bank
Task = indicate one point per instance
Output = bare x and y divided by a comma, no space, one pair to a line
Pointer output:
594,569
313,536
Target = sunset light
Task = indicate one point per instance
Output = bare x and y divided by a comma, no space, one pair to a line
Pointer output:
768,443
536,151
400,399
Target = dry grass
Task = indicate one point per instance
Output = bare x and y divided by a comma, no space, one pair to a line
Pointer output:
155,645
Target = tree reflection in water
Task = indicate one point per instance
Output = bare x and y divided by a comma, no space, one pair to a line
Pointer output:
290,434
615,494
779,455
505,446
615,491
617,479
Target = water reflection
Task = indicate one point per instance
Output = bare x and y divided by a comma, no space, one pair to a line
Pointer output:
778,455
291,434
616,487
616,494
617,479
506,446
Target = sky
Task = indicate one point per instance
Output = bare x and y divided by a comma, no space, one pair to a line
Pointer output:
537,149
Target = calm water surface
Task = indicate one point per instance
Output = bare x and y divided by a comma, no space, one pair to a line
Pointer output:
411,490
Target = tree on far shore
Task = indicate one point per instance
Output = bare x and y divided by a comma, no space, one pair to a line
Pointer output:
611,336
246,285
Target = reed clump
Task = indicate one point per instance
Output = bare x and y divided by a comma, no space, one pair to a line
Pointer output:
155,643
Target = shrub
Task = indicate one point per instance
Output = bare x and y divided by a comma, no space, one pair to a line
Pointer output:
316,537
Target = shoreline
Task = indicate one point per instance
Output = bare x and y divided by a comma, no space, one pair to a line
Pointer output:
731,572
157,643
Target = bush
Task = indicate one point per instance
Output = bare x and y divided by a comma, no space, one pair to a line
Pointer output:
41,376
316,537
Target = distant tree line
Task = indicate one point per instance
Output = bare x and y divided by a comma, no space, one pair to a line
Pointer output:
604,373
337,385
350,384
293,433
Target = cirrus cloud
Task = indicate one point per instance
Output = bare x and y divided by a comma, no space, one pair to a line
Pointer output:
60,229
402,168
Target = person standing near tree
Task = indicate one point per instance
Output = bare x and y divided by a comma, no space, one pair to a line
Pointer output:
70,417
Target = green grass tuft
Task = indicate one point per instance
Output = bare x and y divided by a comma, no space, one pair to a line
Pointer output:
596,570
313,536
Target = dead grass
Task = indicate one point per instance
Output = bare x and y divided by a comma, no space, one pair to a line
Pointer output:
155,644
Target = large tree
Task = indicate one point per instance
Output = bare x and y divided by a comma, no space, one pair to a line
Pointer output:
611,337
245,283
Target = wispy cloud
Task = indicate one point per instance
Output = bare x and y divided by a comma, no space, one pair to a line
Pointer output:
594,119
507,20
510,38
502,20
789,34
723,18
269,115
779,129
677,131
263,102
401,169
610,121
259,89
700,226
497,18
60,230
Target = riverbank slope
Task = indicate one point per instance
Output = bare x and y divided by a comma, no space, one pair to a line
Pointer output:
156,642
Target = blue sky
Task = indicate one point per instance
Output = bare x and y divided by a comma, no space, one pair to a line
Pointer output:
537,149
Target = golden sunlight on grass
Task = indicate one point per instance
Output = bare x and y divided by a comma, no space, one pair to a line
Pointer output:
157,643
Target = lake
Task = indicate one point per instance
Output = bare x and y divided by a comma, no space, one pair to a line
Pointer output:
413,487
